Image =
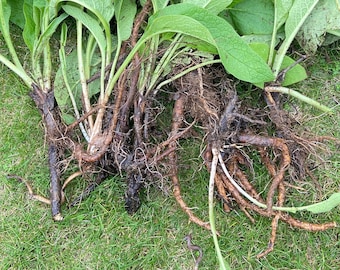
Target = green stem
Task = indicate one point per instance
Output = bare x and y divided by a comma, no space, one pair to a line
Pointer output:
47,72
82,72
186,71
299,96
166,58
272,43
6,35
21,73
149,76
62,57
288,40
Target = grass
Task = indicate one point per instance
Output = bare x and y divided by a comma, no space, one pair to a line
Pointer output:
99,234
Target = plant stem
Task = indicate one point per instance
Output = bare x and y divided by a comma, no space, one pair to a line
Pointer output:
82,73
289,39
47,71
5,32
186,71
62,58
164,60
272,43
21,73
299,96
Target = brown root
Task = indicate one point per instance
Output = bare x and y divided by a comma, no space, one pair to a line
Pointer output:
177,120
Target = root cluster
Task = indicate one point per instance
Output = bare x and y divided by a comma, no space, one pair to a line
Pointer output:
135,144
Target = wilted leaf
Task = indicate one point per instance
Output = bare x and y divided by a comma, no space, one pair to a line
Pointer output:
324,18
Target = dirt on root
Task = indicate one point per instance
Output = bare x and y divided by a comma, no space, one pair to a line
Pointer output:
236,128
134,146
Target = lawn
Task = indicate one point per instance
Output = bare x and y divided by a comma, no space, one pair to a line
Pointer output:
99,234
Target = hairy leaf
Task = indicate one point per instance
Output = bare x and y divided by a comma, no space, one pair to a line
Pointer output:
214,6
253,17
324,18
282,8
237,57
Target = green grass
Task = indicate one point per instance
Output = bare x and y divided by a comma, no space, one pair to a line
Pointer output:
99,234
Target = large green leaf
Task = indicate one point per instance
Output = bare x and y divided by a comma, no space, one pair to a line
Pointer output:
33,11
31,27
237,57
214,6
253,17
103,9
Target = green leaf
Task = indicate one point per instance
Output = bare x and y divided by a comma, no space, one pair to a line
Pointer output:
237,57
282,8
61,92
159,4
295,74
46,35
324,18
31,28
253,17
103,9
214,6
89,22
324,206
125,11
17,15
